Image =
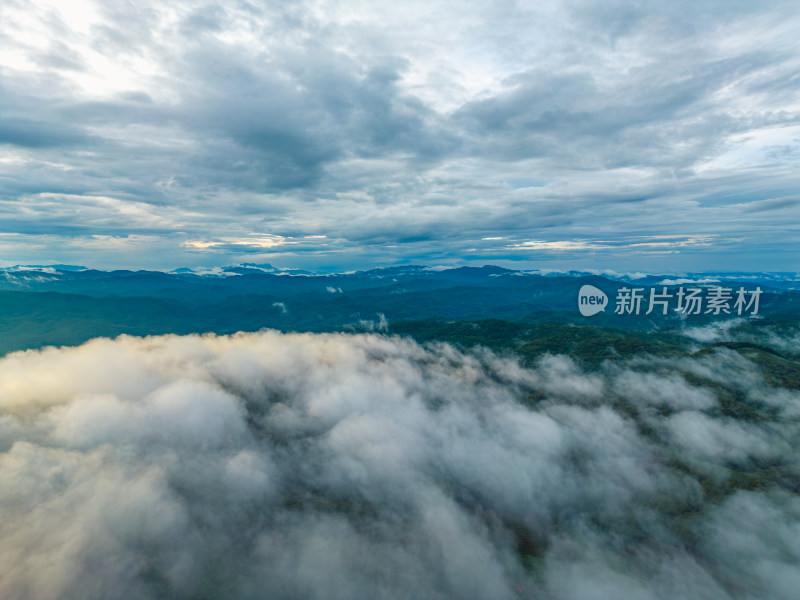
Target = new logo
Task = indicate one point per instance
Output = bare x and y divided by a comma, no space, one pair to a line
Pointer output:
591,300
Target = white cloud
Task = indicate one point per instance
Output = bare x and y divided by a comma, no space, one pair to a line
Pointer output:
336,466
348,135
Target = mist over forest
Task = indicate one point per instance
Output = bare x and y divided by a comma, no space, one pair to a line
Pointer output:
419,300
369,466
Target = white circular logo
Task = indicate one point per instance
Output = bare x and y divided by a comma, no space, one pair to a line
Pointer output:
591,300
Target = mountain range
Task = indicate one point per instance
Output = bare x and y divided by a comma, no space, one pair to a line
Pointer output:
65,305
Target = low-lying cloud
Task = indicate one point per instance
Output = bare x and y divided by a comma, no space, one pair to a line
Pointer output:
271,465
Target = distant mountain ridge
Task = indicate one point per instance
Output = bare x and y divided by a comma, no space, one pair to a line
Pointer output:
51,305
785,280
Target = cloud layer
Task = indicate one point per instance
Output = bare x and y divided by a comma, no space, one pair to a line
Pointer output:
347,135
335,466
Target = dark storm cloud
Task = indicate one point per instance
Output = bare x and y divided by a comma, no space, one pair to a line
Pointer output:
321,118
331,466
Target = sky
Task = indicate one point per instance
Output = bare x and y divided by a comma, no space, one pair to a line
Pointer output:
655,136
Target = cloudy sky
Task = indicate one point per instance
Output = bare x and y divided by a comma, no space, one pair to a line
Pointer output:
657,136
